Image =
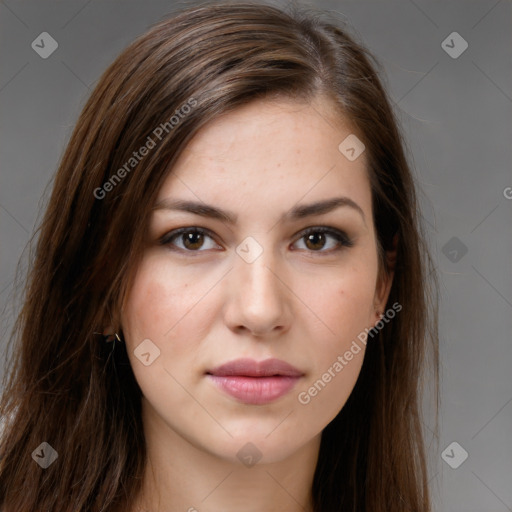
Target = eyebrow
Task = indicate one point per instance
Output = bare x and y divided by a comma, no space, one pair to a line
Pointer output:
296,213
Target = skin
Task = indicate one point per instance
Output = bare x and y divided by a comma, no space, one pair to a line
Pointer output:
299,302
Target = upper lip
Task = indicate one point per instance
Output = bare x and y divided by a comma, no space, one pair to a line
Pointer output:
253,368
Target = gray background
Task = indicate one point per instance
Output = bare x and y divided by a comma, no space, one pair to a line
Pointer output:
456,118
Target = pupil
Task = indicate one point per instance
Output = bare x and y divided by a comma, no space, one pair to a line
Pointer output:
189,240
314,237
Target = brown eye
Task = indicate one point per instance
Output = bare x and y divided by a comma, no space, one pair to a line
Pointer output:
193,239
316,239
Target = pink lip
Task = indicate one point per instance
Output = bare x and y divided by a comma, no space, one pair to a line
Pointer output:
254,382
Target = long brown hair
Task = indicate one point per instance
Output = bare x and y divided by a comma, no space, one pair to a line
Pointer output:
68,388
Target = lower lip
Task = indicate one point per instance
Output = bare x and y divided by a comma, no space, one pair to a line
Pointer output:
255,390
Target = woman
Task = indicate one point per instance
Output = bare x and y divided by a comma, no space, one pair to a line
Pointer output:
228,307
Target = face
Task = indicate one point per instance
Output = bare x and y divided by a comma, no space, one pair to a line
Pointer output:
254,272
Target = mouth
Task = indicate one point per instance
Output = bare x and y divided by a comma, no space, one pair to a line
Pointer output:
253,382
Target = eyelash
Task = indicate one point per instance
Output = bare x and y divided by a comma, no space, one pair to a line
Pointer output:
340,236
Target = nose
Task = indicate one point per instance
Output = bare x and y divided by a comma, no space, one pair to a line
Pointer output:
259,297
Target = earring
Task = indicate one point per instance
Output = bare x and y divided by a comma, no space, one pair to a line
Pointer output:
109,338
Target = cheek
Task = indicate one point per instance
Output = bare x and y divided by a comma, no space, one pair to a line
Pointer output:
345,303
345,306
150,308
163,305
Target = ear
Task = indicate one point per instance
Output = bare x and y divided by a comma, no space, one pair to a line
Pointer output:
385,279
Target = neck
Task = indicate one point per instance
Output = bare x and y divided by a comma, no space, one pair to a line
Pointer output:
181,476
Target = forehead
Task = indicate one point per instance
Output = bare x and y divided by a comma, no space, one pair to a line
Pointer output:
268,153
